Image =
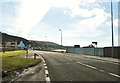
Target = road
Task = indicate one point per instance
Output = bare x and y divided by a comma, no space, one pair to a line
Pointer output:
71,67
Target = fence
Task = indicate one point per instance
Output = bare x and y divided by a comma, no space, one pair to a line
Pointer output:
102,52
108,52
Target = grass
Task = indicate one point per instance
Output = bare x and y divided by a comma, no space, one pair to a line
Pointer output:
12,63
12,53
17,63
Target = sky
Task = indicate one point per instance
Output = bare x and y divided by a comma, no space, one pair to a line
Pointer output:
81,21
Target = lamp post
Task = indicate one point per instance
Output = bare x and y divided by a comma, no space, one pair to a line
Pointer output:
112,30
61,39
45,38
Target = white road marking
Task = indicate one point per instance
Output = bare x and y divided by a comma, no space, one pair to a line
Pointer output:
44,61
44,64
91,66
114,75
87,65
96,68
102,70
81,63
47,80
46,72
45,67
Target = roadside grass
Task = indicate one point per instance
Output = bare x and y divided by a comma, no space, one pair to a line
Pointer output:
12,53
10,63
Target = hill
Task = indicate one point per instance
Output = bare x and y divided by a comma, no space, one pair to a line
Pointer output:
44,45
10,38
40,45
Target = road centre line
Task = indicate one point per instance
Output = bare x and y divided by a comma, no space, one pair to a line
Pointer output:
98,69
87,65
91,66
81,63
102,70
114,75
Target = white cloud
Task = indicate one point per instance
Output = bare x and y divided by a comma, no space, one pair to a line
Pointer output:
77,7
93,22
7,24
115,23
89,25
30,13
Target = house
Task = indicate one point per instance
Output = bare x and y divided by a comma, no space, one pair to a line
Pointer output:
11,44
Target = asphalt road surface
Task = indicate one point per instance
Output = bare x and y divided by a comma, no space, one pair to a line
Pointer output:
72,67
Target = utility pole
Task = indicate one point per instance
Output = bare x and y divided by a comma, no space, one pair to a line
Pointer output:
112,30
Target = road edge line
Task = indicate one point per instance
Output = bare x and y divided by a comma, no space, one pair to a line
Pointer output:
47,78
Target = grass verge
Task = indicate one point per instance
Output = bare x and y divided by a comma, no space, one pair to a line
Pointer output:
9,64
12,63
13,53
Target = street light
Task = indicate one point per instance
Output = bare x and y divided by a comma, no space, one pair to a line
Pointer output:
112,30
45,38
61,39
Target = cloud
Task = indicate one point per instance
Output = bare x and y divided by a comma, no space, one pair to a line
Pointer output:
30,13
7,24
90,25
75,7
44,32
115,23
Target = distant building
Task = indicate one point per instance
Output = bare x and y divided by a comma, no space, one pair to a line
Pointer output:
11,44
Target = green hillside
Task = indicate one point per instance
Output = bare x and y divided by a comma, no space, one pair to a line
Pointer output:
10,38
34,44
44,45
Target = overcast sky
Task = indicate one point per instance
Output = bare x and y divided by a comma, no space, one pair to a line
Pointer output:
81,21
